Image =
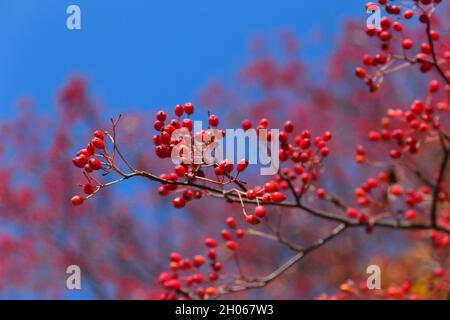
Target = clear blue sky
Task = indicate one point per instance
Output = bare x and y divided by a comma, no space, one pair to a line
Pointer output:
145,53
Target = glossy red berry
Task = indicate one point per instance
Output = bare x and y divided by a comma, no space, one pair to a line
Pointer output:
321,193
210,242
260,211
352,213
77,200
395,154
175,257
178,110
80,161
231,223
187,123
98,143
188,108
179,202
95,164
410,215
158,125
180,170
161,116
407,44
246,124
360,73
288,126
99,134
198,261
240,233
241,165
213,120
278,197
232,245
88,188
433,86
226,235
252,219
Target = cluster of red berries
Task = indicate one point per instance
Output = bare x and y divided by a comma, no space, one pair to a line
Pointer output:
305,154
366,197
186,279
86,159
415,124
163,141
392,33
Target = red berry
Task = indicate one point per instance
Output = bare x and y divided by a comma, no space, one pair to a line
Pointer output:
161,116
360,73
187,123
252,219
260,211
99,134
410,215
180,170
198,261
324,152
188,195
175,257
178,110
352,213
321,193
189,108
88,188
327,136
283,137
278,197
264,122
218,171
95,164
158,125
396,191
226,235
179,202
210,242
231,223
231,245
251,194
434,35
241,165
77,200
246,124
240,233
270,187
434,86
407,44
408,14
90,148
226,166
80,161
288,126
213,120
98,143
212,254
394,154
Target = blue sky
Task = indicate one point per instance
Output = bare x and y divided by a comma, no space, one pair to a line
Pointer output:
144,54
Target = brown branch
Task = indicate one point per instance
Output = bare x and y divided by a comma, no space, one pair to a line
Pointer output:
436,190
240,285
